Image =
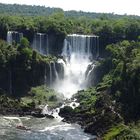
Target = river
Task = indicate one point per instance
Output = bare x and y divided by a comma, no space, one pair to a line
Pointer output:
40,129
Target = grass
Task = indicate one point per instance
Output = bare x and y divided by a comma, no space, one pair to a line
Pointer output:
123,132
114,131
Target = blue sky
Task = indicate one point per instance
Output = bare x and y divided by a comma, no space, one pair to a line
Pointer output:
107,6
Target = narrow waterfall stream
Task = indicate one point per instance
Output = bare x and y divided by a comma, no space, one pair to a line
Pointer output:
13,36
40,43
78,51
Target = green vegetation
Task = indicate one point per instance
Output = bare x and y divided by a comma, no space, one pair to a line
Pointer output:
24,42
126,77
8,105
121,132
42,95
31,19
110,109
21,70
27,10
109,27
37,96
114,131
21,67
86,99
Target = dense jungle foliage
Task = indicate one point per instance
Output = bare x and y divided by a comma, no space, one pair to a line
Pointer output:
21,67
110,28
110,109
28,10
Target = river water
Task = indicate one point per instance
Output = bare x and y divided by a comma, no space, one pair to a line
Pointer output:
40,129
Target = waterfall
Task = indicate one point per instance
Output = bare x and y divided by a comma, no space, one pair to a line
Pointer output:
54,75
13,36
60,65
97,53
40,43
50,74
45,77
89,74
10,82
78,52
55,72
9,37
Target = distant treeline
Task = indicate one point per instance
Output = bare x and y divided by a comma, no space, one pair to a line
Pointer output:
26,10
109,27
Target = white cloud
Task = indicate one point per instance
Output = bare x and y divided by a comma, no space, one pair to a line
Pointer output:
116,6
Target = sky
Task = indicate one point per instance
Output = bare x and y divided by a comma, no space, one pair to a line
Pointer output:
130,7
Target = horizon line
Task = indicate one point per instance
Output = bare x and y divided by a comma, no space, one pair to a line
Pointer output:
113,13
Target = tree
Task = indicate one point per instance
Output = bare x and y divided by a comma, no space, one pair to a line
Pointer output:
24,42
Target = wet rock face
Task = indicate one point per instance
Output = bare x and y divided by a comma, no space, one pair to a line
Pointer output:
60,70
66,111
17,80
48,44
55,43
44,43
96,71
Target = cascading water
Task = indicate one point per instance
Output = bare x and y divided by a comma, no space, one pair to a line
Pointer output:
40,43
9,37
50,74
67,77
55,71
13,36
78,52
45,77
97,54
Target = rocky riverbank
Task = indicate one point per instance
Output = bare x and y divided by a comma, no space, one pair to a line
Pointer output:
16,107
31,104
96,124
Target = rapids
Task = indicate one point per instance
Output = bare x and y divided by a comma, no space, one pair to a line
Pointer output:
40,129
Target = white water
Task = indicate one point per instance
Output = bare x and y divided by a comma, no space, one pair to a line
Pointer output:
14,36
40,43
77,55
50,73
9,37
40,129
55,112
